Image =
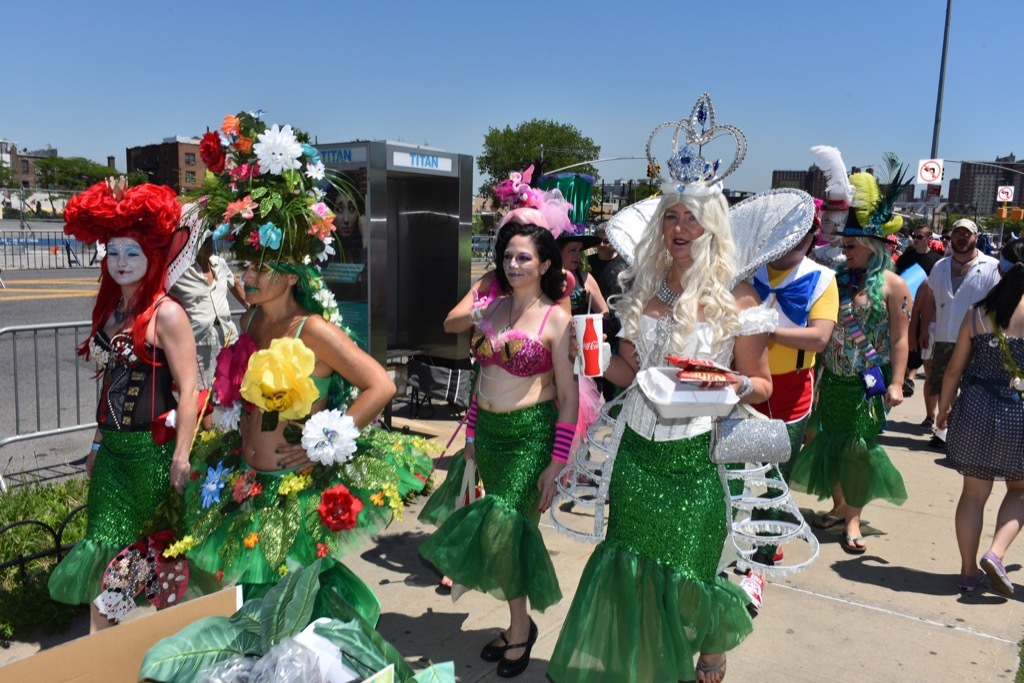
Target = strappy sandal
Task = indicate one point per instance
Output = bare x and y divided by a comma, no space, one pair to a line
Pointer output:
711,664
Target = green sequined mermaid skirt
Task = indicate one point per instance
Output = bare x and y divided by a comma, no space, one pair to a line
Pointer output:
494,544
845,449
263,524
650,599
130,477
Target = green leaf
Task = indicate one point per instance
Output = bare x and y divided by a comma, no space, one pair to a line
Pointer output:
197,646
248,618
437,673
292,433
288,606
364,649
269,422
258,192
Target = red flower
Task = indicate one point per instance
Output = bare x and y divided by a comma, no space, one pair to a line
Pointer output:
194,475
321,549
338,508
220,574
232,362
212,154
244,486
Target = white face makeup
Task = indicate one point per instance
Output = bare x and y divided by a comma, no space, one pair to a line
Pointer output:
126,262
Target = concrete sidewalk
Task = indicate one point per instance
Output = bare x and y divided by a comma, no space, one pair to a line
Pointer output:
893,613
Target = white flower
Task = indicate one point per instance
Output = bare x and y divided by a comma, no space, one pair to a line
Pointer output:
1017,384
277,150
330,437
316,193
328,250
315,171
306,260
230,417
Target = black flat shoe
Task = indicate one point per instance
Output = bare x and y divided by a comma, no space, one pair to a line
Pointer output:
492,652
510,668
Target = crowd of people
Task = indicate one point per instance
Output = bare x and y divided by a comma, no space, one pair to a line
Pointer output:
289,469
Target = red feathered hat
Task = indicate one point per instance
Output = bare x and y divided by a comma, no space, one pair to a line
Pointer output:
147,213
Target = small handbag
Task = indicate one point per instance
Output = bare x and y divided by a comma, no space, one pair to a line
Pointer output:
745,435
873,381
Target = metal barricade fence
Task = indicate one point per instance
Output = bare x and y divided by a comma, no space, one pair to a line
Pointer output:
50,384
23,249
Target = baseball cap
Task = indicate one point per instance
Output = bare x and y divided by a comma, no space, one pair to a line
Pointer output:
966,224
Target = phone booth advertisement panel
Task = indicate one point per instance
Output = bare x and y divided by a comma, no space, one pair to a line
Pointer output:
403,247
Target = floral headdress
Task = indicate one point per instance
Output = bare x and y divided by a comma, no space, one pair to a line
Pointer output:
689,172
515,194
264,192
146,213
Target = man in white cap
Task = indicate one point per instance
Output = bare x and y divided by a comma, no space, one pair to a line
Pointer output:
956,282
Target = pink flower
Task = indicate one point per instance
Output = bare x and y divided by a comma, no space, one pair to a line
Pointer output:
320,209
323,227
243,207
232,362
254,238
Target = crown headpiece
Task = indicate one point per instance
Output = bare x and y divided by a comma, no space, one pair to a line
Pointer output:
689,171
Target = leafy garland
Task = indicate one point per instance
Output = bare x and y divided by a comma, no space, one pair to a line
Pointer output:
1009,364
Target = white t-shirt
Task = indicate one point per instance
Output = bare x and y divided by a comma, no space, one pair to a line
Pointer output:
951,308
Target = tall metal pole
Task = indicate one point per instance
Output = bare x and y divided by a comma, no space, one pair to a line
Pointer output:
942,83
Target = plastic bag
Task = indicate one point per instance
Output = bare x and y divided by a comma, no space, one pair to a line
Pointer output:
233,670
287,662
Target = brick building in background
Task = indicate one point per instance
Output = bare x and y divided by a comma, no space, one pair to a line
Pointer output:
978,183
174,162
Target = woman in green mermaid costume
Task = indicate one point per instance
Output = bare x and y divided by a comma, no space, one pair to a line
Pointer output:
144,343
868,347
298,474
519,438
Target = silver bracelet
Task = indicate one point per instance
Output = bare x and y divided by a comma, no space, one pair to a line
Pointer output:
746,387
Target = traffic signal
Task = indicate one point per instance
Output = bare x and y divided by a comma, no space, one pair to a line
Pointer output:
1017,214
654,171
1001,213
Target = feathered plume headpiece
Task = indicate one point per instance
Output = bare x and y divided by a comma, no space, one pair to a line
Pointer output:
871,213
530,205
838,191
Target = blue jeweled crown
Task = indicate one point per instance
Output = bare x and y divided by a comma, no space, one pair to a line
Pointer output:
689,171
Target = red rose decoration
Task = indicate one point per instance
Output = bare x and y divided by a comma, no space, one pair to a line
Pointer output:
212,154
146,213
339,509
232,362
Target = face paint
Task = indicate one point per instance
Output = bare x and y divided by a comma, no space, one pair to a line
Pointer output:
126,262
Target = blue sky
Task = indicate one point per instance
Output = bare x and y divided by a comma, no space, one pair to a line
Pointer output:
94,78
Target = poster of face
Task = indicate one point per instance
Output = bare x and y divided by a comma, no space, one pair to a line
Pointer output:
346,273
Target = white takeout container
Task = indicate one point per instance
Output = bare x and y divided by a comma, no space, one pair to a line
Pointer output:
672,398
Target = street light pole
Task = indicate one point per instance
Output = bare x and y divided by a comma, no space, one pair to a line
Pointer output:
942,83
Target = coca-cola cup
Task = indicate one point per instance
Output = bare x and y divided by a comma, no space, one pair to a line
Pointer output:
590,337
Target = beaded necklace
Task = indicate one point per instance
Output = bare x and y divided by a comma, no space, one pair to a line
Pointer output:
666,295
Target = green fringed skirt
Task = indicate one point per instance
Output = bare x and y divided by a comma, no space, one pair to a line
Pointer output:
131,475
263,524
494,544
650,600
845,448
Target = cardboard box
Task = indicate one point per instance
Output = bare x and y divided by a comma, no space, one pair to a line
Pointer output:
674,400
114,655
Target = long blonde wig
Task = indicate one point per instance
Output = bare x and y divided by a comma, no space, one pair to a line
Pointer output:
705,284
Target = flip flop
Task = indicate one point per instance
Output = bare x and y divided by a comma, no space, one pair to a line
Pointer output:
828,521
849,544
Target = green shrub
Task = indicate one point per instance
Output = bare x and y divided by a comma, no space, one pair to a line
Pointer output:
24,598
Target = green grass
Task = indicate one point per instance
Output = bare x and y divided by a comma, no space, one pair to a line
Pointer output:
24,599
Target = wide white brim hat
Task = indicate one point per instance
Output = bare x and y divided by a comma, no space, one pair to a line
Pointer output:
764,227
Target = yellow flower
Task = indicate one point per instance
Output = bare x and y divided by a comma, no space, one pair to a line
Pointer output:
378,499
207,435
251,540
282,570
293,483
394,500
179,547
278,379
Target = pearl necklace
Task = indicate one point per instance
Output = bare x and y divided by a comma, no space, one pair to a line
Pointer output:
666,295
